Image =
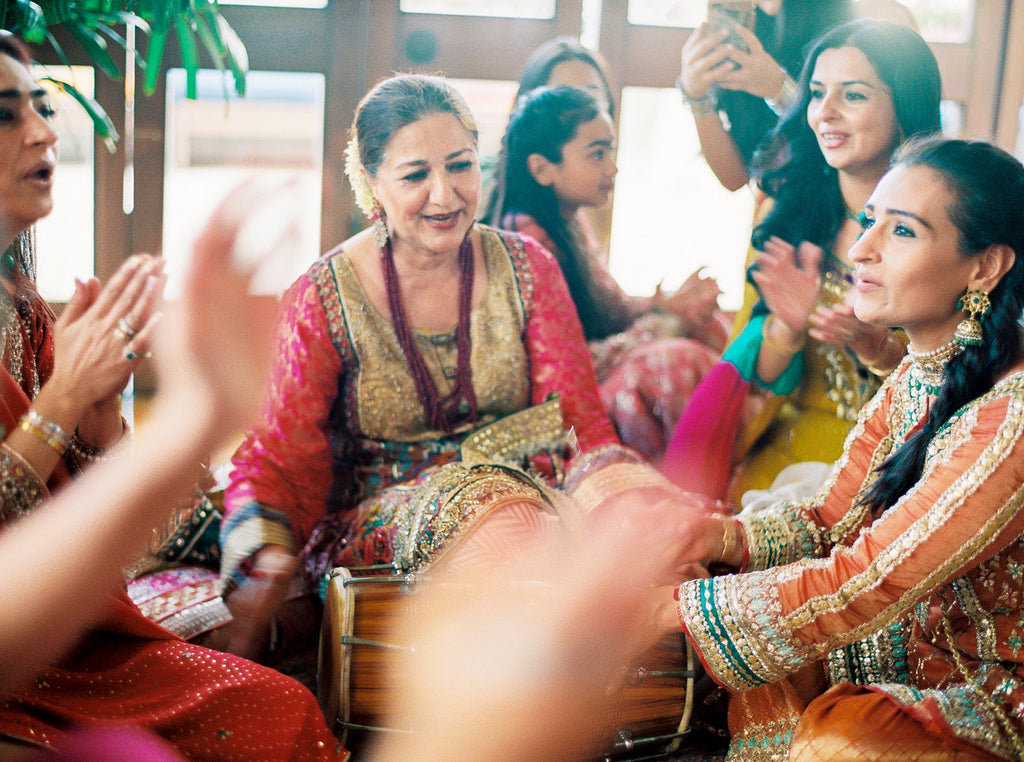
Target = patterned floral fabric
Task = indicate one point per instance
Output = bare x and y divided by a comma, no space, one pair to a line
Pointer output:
344,444
950,554
129,671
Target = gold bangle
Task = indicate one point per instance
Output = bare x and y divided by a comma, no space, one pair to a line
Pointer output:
46,431
88,451
730,539
771,346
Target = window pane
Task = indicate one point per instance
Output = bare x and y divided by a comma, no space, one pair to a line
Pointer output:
64,239
1019,152
517,9
278,3
490,102
943,20
218,140
671,215
677,13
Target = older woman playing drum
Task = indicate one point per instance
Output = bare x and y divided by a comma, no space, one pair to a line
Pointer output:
394,350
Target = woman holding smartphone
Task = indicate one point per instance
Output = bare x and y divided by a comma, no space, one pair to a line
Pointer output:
736,95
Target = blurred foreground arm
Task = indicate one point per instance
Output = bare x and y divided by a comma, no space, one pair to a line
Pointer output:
527,664
58,565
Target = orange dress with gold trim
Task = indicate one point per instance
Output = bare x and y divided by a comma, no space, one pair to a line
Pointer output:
947,558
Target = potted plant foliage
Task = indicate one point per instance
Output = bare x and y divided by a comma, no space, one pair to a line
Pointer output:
197,24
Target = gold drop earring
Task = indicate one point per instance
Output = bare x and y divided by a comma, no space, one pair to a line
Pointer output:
969,331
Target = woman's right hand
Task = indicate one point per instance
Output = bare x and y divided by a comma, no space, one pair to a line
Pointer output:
788,278
703,61
93,356
755,71
254,604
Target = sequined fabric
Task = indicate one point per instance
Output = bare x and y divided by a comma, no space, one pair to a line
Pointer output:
209,705
949,554
343,444
128,671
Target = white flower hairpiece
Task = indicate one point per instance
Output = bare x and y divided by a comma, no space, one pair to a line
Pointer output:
357,179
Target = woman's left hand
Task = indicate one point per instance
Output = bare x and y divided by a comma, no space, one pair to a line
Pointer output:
694,302
787,278
755,71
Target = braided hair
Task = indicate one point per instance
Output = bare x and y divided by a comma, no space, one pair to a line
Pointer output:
987,188
792,169
543,121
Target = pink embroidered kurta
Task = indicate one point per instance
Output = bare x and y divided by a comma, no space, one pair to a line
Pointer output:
343,432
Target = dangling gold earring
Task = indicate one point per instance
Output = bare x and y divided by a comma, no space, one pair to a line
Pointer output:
976,304
379,225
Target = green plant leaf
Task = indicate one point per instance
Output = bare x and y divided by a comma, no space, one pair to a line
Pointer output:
238,56
101,122
154,55
57,48
31,20
189,55
95,46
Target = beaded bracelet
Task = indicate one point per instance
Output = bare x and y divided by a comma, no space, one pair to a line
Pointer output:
771,346
46,431
88,451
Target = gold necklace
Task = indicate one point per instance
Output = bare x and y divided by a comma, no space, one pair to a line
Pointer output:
929,368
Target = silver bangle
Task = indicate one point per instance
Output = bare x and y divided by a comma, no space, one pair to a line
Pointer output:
702,106
788,95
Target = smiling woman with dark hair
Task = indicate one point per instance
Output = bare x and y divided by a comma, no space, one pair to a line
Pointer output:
867,86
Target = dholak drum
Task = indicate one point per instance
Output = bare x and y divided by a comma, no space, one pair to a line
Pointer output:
652,711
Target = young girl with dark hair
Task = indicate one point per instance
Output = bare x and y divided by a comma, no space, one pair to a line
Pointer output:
565,61
557,160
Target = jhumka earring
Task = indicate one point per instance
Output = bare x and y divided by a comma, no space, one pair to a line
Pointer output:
976,304
379,225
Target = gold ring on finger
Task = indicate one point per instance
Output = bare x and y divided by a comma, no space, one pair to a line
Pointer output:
124,329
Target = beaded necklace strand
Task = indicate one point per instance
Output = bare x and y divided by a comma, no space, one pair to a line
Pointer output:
442,412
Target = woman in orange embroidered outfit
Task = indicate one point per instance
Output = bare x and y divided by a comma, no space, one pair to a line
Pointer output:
922,514
125,670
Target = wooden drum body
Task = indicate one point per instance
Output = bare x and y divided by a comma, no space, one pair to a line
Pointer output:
358,651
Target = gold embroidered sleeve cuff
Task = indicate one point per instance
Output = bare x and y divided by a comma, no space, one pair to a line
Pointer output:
781,534
734,622
21,489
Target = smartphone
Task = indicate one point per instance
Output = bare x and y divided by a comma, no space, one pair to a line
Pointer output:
729,14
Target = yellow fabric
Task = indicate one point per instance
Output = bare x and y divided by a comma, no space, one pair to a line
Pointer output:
807,424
